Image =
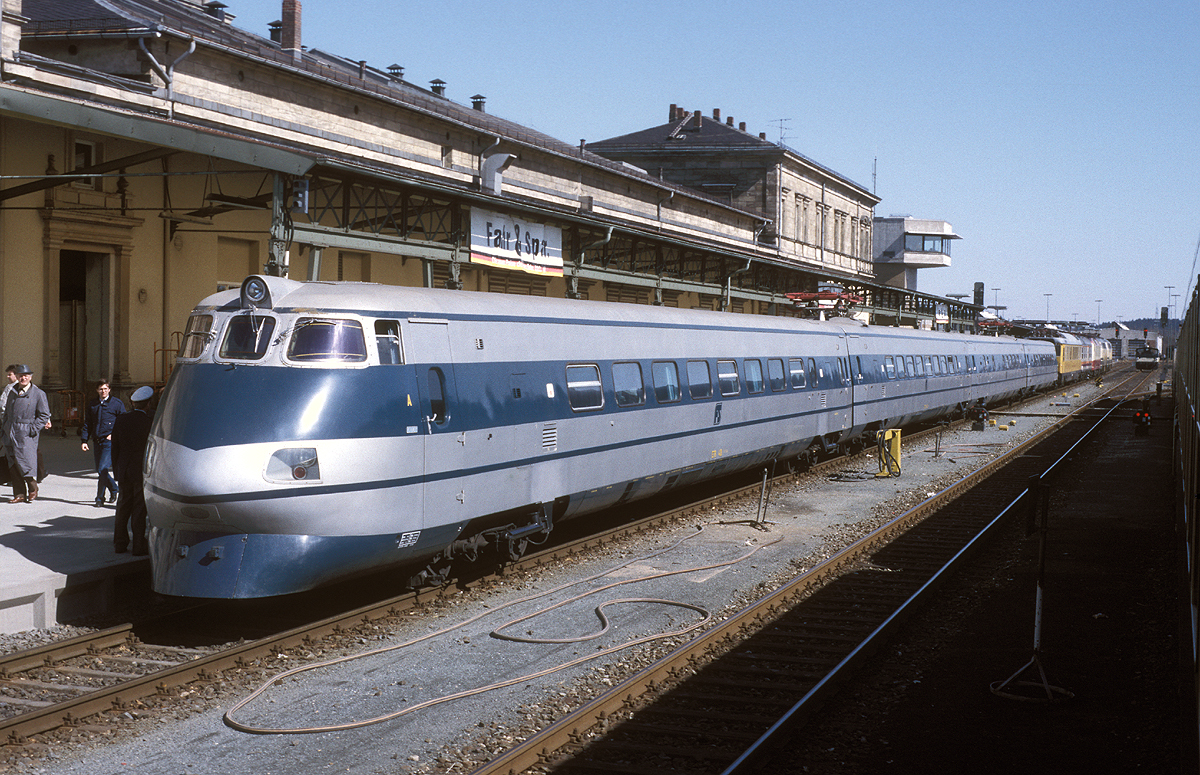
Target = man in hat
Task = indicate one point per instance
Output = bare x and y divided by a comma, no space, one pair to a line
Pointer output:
129,434
26,413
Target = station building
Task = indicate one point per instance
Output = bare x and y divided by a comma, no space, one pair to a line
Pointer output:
152,153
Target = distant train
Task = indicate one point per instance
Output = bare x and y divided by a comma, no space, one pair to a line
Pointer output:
1078,356
313,431
1147,359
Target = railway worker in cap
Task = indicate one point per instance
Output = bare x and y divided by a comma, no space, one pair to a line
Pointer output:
26,414
129,434
97,428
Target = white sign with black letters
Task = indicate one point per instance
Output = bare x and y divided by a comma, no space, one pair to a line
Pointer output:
510,242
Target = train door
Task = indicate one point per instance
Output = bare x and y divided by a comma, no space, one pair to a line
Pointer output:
446,492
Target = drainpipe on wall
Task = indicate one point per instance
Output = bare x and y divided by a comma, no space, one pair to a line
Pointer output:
573,281
168,75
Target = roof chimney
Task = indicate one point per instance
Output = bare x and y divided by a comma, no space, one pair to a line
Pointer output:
742,126
438,86
289,39
729,121
762,135
698,118
673,112
215,9
477,102
716,114
276,31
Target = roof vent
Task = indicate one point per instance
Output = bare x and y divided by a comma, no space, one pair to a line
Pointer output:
438,86
396,72
215,9
477,102
276,31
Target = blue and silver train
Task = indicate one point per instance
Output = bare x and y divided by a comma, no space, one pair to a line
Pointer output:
313,431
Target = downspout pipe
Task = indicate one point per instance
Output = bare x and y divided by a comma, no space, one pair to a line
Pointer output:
168,75
573,289
726,299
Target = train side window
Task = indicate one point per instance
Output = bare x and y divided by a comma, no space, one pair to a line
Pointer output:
247,337
929,365
900,371
699,379
666,381
387,341
912,369
843,371
814,376
196,336
889,367
727,378
754,376
796,367
437,396
316,340
775,374
628,386
584,391
858,370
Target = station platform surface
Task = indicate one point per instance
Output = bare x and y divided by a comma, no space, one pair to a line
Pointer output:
57,561
1114,641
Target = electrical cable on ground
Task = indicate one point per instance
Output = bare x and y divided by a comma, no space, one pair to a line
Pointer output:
229,720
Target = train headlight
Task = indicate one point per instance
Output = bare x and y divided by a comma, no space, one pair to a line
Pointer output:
255,293
297,464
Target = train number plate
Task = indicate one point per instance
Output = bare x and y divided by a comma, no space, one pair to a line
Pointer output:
405,540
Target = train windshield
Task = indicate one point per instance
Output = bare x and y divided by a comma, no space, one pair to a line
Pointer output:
247,337
324,340
197,336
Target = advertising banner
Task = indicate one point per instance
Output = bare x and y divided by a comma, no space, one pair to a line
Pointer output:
512,243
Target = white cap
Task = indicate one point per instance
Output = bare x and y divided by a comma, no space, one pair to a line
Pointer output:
144,393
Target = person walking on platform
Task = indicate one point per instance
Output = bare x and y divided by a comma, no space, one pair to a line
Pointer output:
129,434
26,413
98,427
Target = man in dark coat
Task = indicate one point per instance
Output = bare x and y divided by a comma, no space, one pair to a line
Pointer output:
97,432
26,413
129,434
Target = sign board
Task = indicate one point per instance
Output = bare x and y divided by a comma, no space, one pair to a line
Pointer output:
941,315
512,243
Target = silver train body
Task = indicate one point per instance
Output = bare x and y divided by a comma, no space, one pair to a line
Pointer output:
312,431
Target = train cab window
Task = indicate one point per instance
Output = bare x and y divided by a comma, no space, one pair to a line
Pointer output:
699,379
889,367
584,391
754,376
727,378
665,375
247,337
387,342
775,374
437,396
196,336
796,366
628,386
324,340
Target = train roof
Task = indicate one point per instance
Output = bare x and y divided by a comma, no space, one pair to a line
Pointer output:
363,298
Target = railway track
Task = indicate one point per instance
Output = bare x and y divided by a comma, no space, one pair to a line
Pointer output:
78,682
720,702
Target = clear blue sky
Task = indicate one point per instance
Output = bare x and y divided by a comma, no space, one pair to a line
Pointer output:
1061,140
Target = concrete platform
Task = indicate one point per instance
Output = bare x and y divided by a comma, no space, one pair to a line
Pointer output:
57,561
